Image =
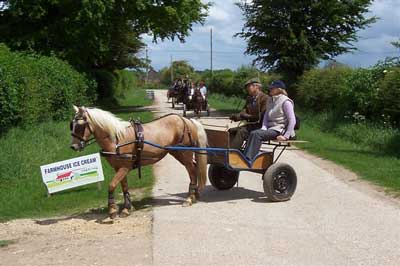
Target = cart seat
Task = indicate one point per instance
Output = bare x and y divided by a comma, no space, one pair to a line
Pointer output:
261,162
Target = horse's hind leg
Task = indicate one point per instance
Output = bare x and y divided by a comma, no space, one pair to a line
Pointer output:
112,206
127,198
186,158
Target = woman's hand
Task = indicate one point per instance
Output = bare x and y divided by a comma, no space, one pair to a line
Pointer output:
281,138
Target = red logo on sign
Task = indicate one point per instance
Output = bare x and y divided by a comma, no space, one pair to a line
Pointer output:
64,176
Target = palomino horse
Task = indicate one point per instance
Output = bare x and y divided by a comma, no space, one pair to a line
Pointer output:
170,130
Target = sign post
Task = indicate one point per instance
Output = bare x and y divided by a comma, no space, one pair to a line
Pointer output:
72,173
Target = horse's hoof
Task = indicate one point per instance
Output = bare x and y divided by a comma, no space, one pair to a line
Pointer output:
112,212
124,213
187,203
113,215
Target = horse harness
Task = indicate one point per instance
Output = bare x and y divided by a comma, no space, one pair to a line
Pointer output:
78,130
139,140
137,151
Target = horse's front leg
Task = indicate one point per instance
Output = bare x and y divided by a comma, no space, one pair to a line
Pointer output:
127,198
200,109
186,158
112,206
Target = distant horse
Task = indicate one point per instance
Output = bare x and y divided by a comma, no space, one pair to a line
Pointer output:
198,102
170,130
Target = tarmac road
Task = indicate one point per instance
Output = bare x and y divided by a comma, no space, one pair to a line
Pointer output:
332,219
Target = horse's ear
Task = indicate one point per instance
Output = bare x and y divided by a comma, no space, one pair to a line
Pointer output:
76,109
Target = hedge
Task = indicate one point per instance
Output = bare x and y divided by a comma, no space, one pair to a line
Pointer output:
390,91
369,93
115,84
231,83
323,89
37,88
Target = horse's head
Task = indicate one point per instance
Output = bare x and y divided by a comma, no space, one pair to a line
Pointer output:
80,129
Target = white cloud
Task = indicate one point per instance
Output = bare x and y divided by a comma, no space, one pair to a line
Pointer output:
218,14
226,19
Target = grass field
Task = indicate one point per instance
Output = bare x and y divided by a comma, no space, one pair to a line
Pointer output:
371,152
23,150
226,104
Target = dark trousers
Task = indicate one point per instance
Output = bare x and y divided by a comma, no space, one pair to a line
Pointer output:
238,135
255,140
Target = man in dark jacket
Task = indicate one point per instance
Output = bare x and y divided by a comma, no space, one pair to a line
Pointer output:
253,113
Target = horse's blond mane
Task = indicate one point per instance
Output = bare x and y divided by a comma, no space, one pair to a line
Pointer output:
108,122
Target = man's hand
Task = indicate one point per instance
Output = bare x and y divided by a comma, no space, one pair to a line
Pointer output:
235,117
245,116
281,138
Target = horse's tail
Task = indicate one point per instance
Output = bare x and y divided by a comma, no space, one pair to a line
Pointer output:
201,156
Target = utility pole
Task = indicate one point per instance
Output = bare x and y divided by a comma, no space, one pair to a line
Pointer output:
211,51
147,67
172,70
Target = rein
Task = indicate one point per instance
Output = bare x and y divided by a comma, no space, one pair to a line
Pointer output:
87,142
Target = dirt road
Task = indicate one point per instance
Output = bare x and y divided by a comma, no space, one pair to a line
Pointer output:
333,219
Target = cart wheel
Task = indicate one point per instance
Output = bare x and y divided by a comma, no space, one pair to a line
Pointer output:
280,181
184,109
222,178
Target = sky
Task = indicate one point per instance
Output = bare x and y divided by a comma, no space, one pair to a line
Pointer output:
226,19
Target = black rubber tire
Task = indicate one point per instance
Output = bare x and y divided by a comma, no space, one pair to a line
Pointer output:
280,181
222,178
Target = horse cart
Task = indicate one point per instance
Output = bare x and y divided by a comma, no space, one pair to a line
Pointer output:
279,179
178,94
143,145
197,103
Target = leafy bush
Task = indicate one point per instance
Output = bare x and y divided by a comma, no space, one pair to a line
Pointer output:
222,82
323,89
181,69
391,94
115,84
126,80
372,94
37,88
362,93
107,83
231,83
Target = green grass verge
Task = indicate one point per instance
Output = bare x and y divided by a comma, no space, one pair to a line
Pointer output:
224,104
371,152
6,243
24,150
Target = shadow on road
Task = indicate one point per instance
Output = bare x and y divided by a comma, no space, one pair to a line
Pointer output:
210,195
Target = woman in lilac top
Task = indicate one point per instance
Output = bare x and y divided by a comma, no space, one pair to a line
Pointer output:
278,123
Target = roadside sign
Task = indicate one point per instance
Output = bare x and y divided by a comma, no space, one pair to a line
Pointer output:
72,173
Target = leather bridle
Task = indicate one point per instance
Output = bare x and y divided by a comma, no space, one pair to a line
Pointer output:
78,126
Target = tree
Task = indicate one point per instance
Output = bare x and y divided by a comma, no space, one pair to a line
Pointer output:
396,44
293,36
181,69
95,34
